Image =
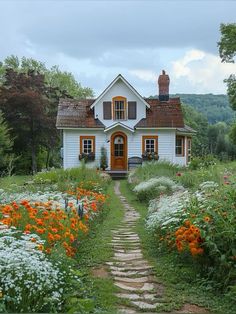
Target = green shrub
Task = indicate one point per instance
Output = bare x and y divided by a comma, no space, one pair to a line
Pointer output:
202,162
154,187
200,225
103,159
153,169
68,177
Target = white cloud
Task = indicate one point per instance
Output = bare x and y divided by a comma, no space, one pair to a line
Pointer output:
200,72
145,75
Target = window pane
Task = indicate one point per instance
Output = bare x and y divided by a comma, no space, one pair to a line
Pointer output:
150,145
179,146
87,146
119,150
119,108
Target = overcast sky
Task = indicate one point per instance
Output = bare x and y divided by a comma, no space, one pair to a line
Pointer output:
97,40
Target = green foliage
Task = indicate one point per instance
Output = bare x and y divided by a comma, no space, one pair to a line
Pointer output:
219,141
231,90
227,51
183,283
29,96
64,82
73,176
155,187
6,144
202,162
227,44
153,169
233,133
103,158
198,122
214,107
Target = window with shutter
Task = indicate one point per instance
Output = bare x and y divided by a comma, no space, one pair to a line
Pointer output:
119,108
132,110
107,110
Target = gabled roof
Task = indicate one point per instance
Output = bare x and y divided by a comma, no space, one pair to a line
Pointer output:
162,114
120,124
77,114
120,77
186,129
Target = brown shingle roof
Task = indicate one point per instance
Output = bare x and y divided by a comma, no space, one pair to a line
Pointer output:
77,114
163,114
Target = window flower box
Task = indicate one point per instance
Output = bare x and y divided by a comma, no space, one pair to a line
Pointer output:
87,157
146,156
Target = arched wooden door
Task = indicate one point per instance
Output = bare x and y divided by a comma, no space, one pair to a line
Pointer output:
118,151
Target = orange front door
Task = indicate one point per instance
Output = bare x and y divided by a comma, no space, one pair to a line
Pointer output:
118,151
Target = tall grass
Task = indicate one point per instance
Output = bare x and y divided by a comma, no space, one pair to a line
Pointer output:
154,169
78,175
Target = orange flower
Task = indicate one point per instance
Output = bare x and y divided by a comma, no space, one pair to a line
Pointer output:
40,247
57,237
207,219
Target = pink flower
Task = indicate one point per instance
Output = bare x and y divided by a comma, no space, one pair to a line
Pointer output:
226,177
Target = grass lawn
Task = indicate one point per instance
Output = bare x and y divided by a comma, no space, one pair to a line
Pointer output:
6,182
95,251
182,283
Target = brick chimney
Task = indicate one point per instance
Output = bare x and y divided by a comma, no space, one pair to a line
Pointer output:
163,83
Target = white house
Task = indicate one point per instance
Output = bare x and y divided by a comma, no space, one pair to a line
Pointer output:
126,124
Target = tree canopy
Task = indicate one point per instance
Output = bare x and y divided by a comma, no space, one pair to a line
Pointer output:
29,96
6,143
227,51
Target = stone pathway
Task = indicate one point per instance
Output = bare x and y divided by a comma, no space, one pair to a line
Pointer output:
139,290
132,274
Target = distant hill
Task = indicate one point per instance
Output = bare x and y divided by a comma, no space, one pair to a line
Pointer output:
215,107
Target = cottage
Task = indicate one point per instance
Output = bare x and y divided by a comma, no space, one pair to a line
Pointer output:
126,125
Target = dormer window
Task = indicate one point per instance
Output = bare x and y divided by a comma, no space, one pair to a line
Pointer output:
119,108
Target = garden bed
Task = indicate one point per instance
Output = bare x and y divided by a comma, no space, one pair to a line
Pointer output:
41,235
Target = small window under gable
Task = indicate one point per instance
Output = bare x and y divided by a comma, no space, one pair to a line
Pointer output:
119,104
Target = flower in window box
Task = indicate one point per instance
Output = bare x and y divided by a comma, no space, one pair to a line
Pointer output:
150,156
87,157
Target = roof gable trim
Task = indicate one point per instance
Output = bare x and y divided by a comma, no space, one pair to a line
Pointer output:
127,84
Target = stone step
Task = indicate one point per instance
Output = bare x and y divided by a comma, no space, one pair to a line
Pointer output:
142,305
131,280
134,297
130,268
127,251
147,286
130,273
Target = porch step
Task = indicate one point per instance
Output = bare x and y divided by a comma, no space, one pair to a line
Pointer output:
117,174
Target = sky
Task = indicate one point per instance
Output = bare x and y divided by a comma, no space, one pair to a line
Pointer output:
97,40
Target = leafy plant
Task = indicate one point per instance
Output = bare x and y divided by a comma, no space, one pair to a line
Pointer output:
103,158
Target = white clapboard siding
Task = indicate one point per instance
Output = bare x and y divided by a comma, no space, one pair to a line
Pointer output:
180,161
166,145
71,145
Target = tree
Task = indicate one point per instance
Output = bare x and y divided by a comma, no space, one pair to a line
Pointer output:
233,134
23,99
227,44
198,122
29,96
227,51
6,144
